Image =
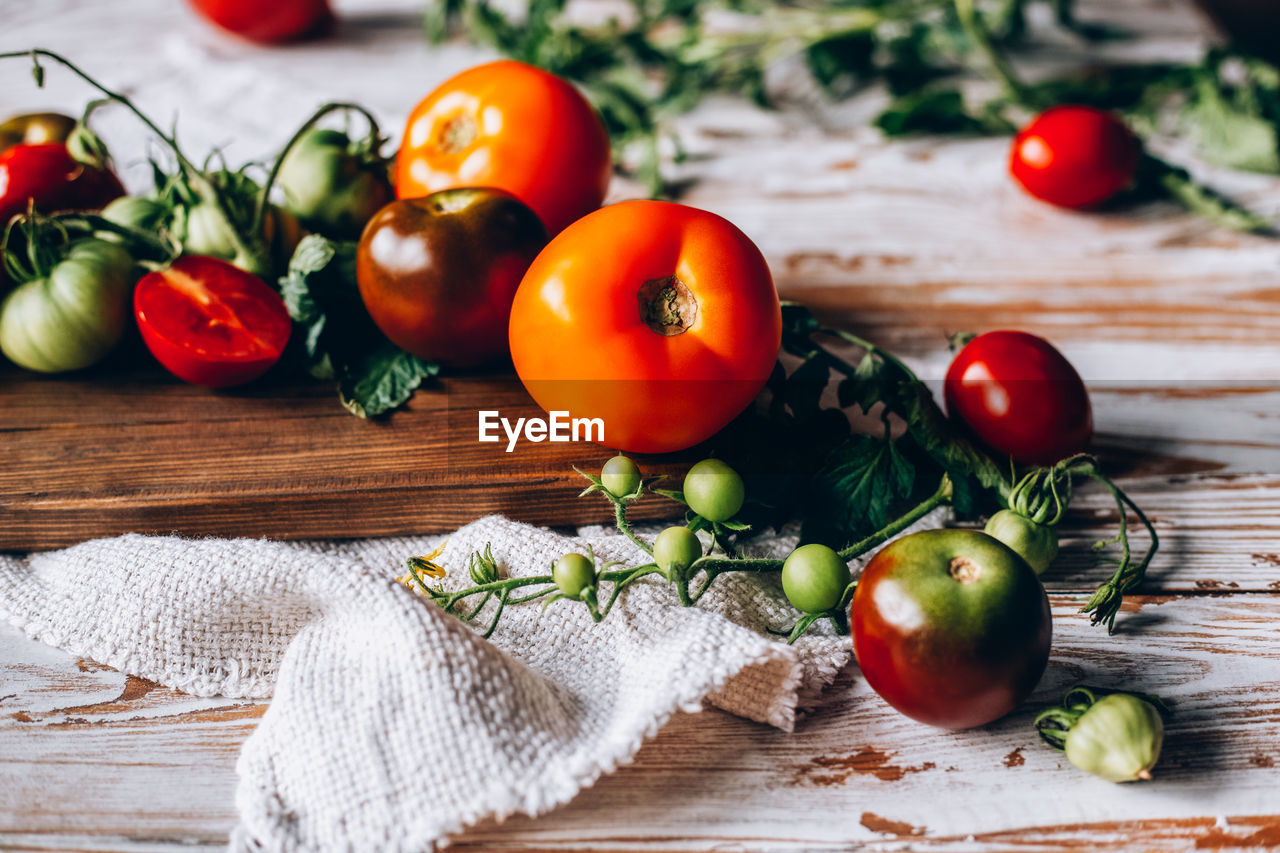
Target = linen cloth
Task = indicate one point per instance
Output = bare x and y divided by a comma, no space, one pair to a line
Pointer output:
392,724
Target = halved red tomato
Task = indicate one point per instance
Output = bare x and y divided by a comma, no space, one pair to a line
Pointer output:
211,323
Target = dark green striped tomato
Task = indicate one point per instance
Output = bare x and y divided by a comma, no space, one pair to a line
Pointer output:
951,627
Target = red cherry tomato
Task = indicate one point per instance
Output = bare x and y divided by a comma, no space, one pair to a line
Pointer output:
267,21
660,320
1020,397
951,627
513,127
1075,156
46,173
209,322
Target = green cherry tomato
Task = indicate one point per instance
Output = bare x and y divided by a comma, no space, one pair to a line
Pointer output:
675,550
331,187
714,490
620,476
814,578
1118,738
1036,543
574,574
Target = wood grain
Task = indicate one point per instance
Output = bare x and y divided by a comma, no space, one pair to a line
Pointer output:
141,451
855,772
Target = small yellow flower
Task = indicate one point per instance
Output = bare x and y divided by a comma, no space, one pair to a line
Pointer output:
427,565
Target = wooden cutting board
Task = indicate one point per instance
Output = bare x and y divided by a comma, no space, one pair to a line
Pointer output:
104,453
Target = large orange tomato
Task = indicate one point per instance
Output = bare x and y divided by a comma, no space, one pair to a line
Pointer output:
512,126
659,319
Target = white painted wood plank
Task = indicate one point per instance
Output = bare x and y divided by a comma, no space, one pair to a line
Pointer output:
165,770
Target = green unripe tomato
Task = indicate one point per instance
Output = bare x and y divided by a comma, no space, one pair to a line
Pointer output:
714,490
574,574
1036,543
620,476
72,317
137,212
203,230
675,550
814,578
1118,738
332,191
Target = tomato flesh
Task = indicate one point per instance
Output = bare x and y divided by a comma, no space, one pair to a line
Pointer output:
1075,157
211,323
951,627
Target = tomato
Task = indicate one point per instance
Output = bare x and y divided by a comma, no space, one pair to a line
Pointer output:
34,128
438,273
620,476
73,314
675,550
268,22
1020,397
1075,156
573,575
951,627
1034,542
660,319
511,126
814,578
714,490
209,322
331,187
46,173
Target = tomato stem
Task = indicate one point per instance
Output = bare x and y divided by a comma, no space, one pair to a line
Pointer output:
976,30
940,497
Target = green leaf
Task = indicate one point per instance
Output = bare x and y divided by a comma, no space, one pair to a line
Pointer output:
798,320
929,111
864,388
340,340
840,58
805,386
1228,137
938,437
863,483
381,380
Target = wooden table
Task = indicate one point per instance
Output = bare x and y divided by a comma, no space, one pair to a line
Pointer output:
1175,325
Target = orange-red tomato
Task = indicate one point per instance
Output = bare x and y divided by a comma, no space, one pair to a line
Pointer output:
514,127
659,319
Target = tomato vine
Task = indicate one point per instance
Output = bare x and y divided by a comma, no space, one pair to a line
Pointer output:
947,470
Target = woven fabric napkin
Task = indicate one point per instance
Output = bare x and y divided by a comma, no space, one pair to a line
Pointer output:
393,725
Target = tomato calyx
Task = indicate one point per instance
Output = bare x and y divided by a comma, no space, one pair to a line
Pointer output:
456,133
964,570
667,306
